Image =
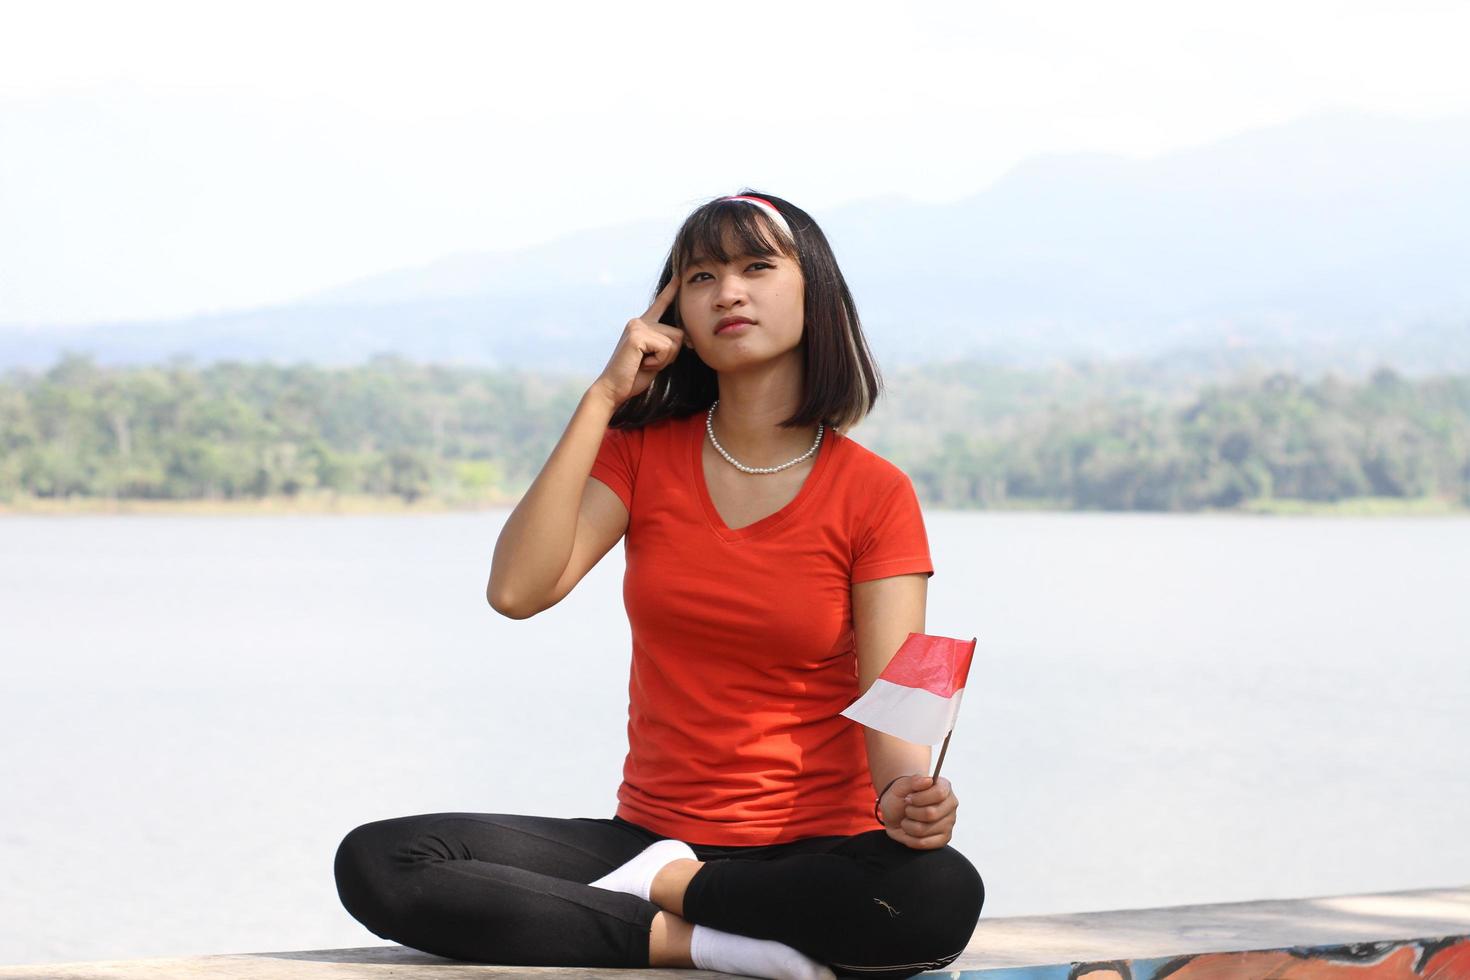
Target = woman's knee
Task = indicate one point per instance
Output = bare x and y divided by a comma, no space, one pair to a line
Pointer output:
930,902
365,866
957,896
954,873
946,893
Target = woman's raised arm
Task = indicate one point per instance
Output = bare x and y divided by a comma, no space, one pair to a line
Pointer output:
537,542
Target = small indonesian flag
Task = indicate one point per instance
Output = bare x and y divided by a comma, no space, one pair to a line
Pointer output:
917,697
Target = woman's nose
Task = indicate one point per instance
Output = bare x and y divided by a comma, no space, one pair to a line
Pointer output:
732,289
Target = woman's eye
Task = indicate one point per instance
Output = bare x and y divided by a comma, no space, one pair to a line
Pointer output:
752,265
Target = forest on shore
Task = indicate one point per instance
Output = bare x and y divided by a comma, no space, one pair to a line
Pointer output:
970,435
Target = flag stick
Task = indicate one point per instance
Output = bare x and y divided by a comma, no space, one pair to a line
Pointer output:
942,749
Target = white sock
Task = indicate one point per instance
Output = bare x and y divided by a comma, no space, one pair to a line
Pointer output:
711,949
636,876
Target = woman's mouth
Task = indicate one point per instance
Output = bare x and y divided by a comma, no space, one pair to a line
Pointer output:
735,327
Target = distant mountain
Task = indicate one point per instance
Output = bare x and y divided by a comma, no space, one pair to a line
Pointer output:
1337,240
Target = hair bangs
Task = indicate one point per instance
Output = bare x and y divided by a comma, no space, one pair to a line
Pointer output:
725,230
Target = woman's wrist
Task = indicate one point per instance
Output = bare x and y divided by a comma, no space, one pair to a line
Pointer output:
878,802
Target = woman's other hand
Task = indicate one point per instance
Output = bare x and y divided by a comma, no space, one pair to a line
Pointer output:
645,348
919,811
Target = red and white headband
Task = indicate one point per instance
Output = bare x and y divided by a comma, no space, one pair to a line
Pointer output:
765,206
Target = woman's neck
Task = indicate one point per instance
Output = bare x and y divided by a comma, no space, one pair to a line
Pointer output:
746,424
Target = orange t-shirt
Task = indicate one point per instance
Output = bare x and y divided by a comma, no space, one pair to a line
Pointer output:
743,650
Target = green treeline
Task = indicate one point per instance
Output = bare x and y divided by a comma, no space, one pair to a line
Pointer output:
1272,437
970,435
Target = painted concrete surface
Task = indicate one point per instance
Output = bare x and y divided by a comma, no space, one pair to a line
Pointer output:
1421,933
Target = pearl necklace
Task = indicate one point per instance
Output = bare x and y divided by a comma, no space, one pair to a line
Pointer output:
709,425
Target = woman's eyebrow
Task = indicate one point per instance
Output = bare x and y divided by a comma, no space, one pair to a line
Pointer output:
706,260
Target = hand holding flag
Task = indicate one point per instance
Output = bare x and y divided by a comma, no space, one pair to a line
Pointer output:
917,698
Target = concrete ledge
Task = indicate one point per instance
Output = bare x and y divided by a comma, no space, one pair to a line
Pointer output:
1423,933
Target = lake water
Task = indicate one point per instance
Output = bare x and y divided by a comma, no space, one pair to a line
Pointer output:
1162,709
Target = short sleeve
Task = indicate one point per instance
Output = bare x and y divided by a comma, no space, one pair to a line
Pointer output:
892,541
617,462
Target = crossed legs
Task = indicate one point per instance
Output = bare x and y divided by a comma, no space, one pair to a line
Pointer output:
517,889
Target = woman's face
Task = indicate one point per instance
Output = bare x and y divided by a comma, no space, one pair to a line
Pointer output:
765,290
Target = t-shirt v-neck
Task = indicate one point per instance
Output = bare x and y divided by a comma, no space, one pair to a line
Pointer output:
771,521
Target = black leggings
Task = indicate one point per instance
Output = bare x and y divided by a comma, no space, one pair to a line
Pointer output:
513,889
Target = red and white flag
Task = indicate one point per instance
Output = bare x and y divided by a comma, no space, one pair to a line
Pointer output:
917,697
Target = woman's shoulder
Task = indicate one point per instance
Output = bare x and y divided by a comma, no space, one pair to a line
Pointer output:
656,429
857,464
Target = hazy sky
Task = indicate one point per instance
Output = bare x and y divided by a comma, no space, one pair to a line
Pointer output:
168,158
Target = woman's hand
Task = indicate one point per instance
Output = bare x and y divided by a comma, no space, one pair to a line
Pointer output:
645,348
920,811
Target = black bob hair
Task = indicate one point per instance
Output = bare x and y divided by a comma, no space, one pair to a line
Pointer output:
842,382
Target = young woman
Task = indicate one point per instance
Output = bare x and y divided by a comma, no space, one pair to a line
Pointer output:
773,568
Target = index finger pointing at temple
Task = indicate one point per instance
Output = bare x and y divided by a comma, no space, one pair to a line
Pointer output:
661,301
